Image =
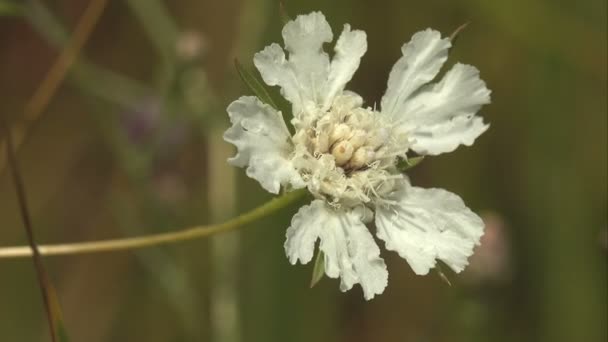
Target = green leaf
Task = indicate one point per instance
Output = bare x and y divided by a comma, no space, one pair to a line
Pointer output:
319,270
10,8
285,18
408,163
254,85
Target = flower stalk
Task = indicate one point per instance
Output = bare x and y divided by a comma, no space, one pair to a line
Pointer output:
192,233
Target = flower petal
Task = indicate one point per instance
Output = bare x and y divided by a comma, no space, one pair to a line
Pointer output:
422,58
442,117
429,224
447,136
263,144
350,250
302,77
351,46
276,70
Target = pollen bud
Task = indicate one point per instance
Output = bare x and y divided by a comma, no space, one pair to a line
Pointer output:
358,139
380,138
338,133
321,143
342,152
361,157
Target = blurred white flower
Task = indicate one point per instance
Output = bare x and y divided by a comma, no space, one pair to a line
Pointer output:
346,154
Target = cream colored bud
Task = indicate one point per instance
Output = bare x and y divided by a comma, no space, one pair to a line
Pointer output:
361,157
379,138
338,133
358,139
321,143
342,152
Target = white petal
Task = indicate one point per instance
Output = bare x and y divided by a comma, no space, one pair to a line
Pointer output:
351,46
429,224
422,58
350,250
447,136
276,70
301,78
442,117
263,144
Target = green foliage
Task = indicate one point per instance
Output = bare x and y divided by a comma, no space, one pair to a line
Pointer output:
319,269
408,163
10,8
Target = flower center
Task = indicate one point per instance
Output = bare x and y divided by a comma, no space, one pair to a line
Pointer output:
353,136
347,154
353,148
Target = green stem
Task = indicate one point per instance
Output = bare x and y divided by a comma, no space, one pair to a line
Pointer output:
157,239
157,23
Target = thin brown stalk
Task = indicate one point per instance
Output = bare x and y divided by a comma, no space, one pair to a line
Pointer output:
43,278
56,74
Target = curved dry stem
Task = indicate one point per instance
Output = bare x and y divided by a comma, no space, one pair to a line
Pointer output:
56,74
157,239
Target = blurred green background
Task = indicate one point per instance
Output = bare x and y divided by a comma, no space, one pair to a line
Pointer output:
131,144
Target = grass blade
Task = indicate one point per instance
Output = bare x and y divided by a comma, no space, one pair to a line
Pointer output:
49,295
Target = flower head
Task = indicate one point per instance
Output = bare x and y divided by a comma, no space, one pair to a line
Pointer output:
346,153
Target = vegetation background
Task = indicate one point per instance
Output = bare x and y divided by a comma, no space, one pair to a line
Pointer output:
131,144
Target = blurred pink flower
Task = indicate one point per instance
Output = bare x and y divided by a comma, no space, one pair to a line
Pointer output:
491,261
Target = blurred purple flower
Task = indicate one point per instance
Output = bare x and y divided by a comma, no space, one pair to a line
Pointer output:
140,122
159,136
148,123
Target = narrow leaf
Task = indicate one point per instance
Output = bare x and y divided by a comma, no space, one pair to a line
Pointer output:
56,314
408,163
254,85
454,35
442,275
319,269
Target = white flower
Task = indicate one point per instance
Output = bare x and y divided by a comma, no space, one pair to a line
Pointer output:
345,154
